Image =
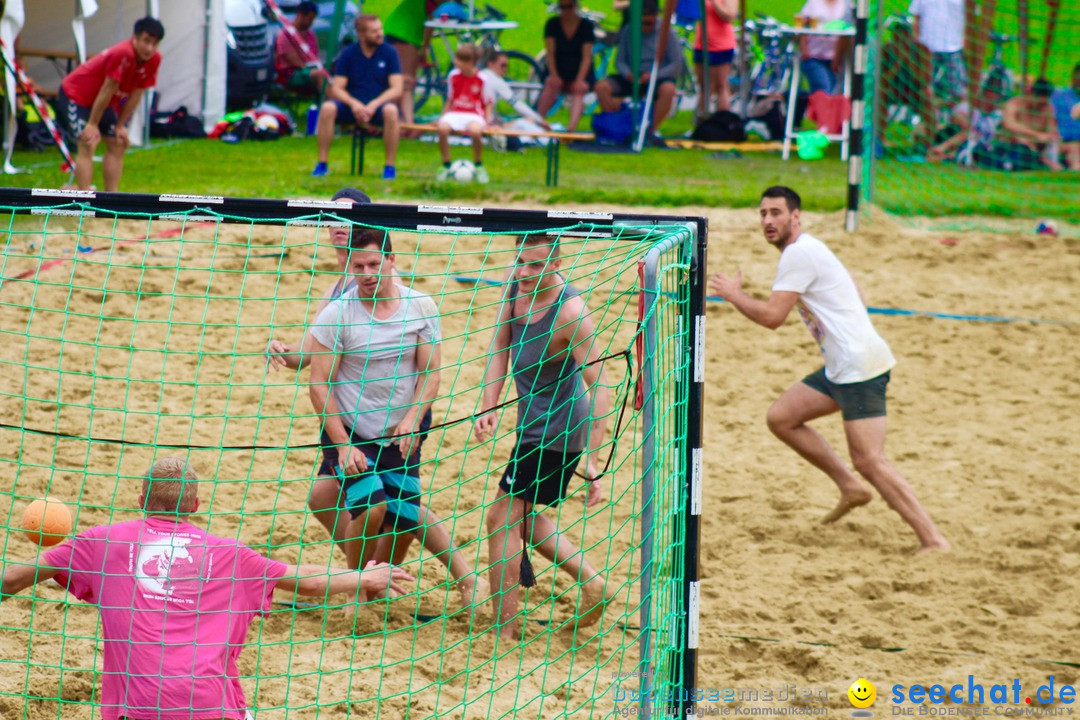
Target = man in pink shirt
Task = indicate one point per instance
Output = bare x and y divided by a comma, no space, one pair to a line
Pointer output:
176,602
296,51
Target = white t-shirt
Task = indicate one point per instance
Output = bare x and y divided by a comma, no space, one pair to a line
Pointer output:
377,374
941,24
501,90
830,305
823,12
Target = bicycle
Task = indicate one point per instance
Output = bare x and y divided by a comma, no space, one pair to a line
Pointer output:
522,68
774,56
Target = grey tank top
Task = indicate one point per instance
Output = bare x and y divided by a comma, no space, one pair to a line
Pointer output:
553,404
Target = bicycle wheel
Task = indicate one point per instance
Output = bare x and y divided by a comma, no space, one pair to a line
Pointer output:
429,83
525,76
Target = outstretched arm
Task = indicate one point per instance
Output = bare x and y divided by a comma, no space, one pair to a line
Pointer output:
770,313
19,576
320,581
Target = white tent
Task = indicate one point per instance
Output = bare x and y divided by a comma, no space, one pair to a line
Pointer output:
192,70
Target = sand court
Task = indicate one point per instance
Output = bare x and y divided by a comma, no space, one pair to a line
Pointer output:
164,345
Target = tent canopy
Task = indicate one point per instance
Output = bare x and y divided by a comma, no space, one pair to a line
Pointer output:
192,70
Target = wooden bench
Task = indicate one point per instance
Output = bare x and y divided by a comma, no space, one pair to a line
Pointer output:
70,56
555,139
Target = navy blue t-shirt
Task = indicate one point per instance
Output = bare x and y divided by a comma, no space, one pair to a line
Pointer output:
368,77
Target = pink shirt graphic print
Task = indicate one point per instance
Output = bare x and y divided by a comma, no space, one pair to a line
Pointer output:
175,607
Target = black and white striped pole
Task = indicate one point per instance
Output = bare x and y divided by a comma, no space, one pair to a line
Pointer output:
858,114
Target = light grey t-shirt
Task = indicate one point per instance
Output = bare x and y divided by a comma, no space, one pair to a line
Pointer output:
377,374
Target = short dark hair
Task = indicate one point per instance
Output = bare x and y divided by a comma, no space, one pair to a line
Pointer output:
794,202
363,238
358,197
541,240
150,26
650,7
1042,88
307,8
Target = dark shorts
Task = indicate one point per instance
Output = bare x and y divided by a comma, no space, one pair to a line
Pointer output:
857,401
716,57
390,479
537,476
76,116
345,116
621,87
395,40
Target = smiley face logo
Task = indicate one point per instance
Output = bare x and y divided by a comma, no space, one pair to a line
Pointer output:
862,693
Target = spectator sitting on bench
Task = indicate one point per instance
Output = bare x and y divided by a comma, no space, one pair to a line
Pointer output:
99,97
494,74
469,108
367,81
296,69
611,90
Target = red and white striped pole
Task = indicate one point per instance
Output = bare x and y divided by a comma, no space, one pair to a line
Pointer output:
42,109
293,34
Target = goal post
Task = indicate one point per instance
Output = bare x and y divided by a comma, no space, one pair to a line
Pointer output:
131,331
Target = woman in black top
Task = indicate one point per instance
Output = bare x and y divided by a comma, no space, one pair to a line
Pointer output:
569,41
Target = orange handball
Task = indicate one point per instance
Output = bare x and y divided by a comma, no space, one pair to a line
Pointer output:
47,522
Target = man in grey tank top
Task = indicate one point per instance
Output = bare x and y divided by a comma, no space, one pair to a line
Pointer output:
545,336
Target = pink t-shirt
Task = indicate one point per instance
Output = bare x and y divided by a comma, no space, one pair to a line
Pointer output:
286,42
175,608
721,32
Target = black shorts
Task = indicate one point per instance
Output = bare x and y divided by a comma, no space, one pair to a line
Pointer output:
75,117
858,400
538,476
621,87
390,479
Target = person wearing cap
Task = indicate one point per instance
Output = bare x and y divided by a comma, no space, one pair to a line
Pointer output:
1029,138
364,91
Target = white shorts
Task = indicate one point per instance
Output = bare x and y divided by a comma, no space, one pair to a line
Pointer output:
460,121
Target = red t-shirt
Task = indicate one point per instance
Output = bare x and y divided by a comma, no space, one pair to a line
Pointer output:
84,83
466,94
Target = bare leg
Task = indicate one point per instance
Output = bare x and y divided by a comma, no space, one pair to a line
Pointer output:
476,132
550,93
324,131
444,141
787,420
84,165
324,500
112,167
721,87
605,95
566,556
577,109
504,549
437,541
866,441
665,95
391,132
361,536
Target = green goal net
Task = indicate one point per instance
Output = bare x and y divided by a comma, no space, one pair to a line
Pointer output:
137,327
969,109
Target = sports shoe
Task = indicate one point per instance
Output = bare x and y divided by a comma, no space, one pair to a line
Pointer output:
443,175
482,175
320,170
389,172
653,139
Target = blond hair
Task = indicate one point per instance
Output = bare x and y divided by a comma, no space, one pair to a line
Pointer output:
170,486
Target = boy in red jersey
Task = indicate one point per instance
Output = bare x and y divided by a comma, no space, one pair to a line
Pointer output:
469,107
99,97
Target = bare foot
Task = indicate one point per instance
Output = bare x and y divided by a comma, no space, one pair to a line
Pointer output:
848,501
940,544
594,598
474,590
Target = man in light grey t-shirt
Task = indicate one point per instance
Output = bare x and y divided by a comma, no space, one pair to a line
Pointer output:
374,375
857,366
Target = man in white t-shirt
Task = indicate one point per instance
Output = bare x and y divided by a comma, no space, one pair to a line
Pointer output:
375,357
856,372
